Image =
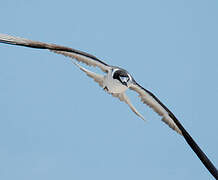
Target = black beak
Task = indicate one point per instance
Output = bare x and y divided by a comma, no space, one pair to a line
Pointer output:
124,83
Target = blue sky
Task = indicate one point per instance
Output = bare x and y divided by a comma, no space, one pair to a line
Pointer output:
56,123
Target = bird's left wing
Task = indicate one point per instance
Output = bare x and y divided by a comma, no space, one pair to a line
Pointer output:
168,117
152,101
80,56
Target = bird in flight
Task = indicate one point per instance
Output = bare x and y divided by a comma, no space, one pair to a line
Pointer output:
116,82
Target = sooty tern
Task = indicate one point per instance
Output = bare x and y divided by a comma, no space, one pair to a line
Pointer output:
116,82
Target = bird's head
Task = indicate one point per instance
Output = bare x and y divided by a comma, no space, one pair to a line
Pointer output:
123,76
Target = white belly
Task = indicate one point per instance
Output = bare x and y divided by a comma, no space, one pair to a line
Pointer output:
113,85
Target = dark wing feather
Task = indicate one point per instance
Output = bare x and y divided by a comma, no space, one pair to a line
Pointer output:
150,99
73,53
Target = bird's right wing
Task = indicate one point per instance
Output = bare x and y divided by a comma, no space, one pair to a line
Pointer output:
96,77
80,56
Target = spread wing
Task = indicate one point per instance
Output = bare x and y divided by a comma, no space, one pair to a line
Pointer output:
73,53
168,117
96,77
148,98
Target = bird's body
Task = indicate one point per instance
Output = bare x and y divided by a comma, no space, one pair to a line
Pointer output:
113,84
116,82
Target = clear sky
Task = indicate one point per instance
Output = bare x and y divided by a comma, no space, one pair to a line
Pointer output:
56,123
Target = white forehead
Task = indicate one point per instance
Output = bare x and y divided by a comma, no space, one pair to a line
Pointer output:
118,69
